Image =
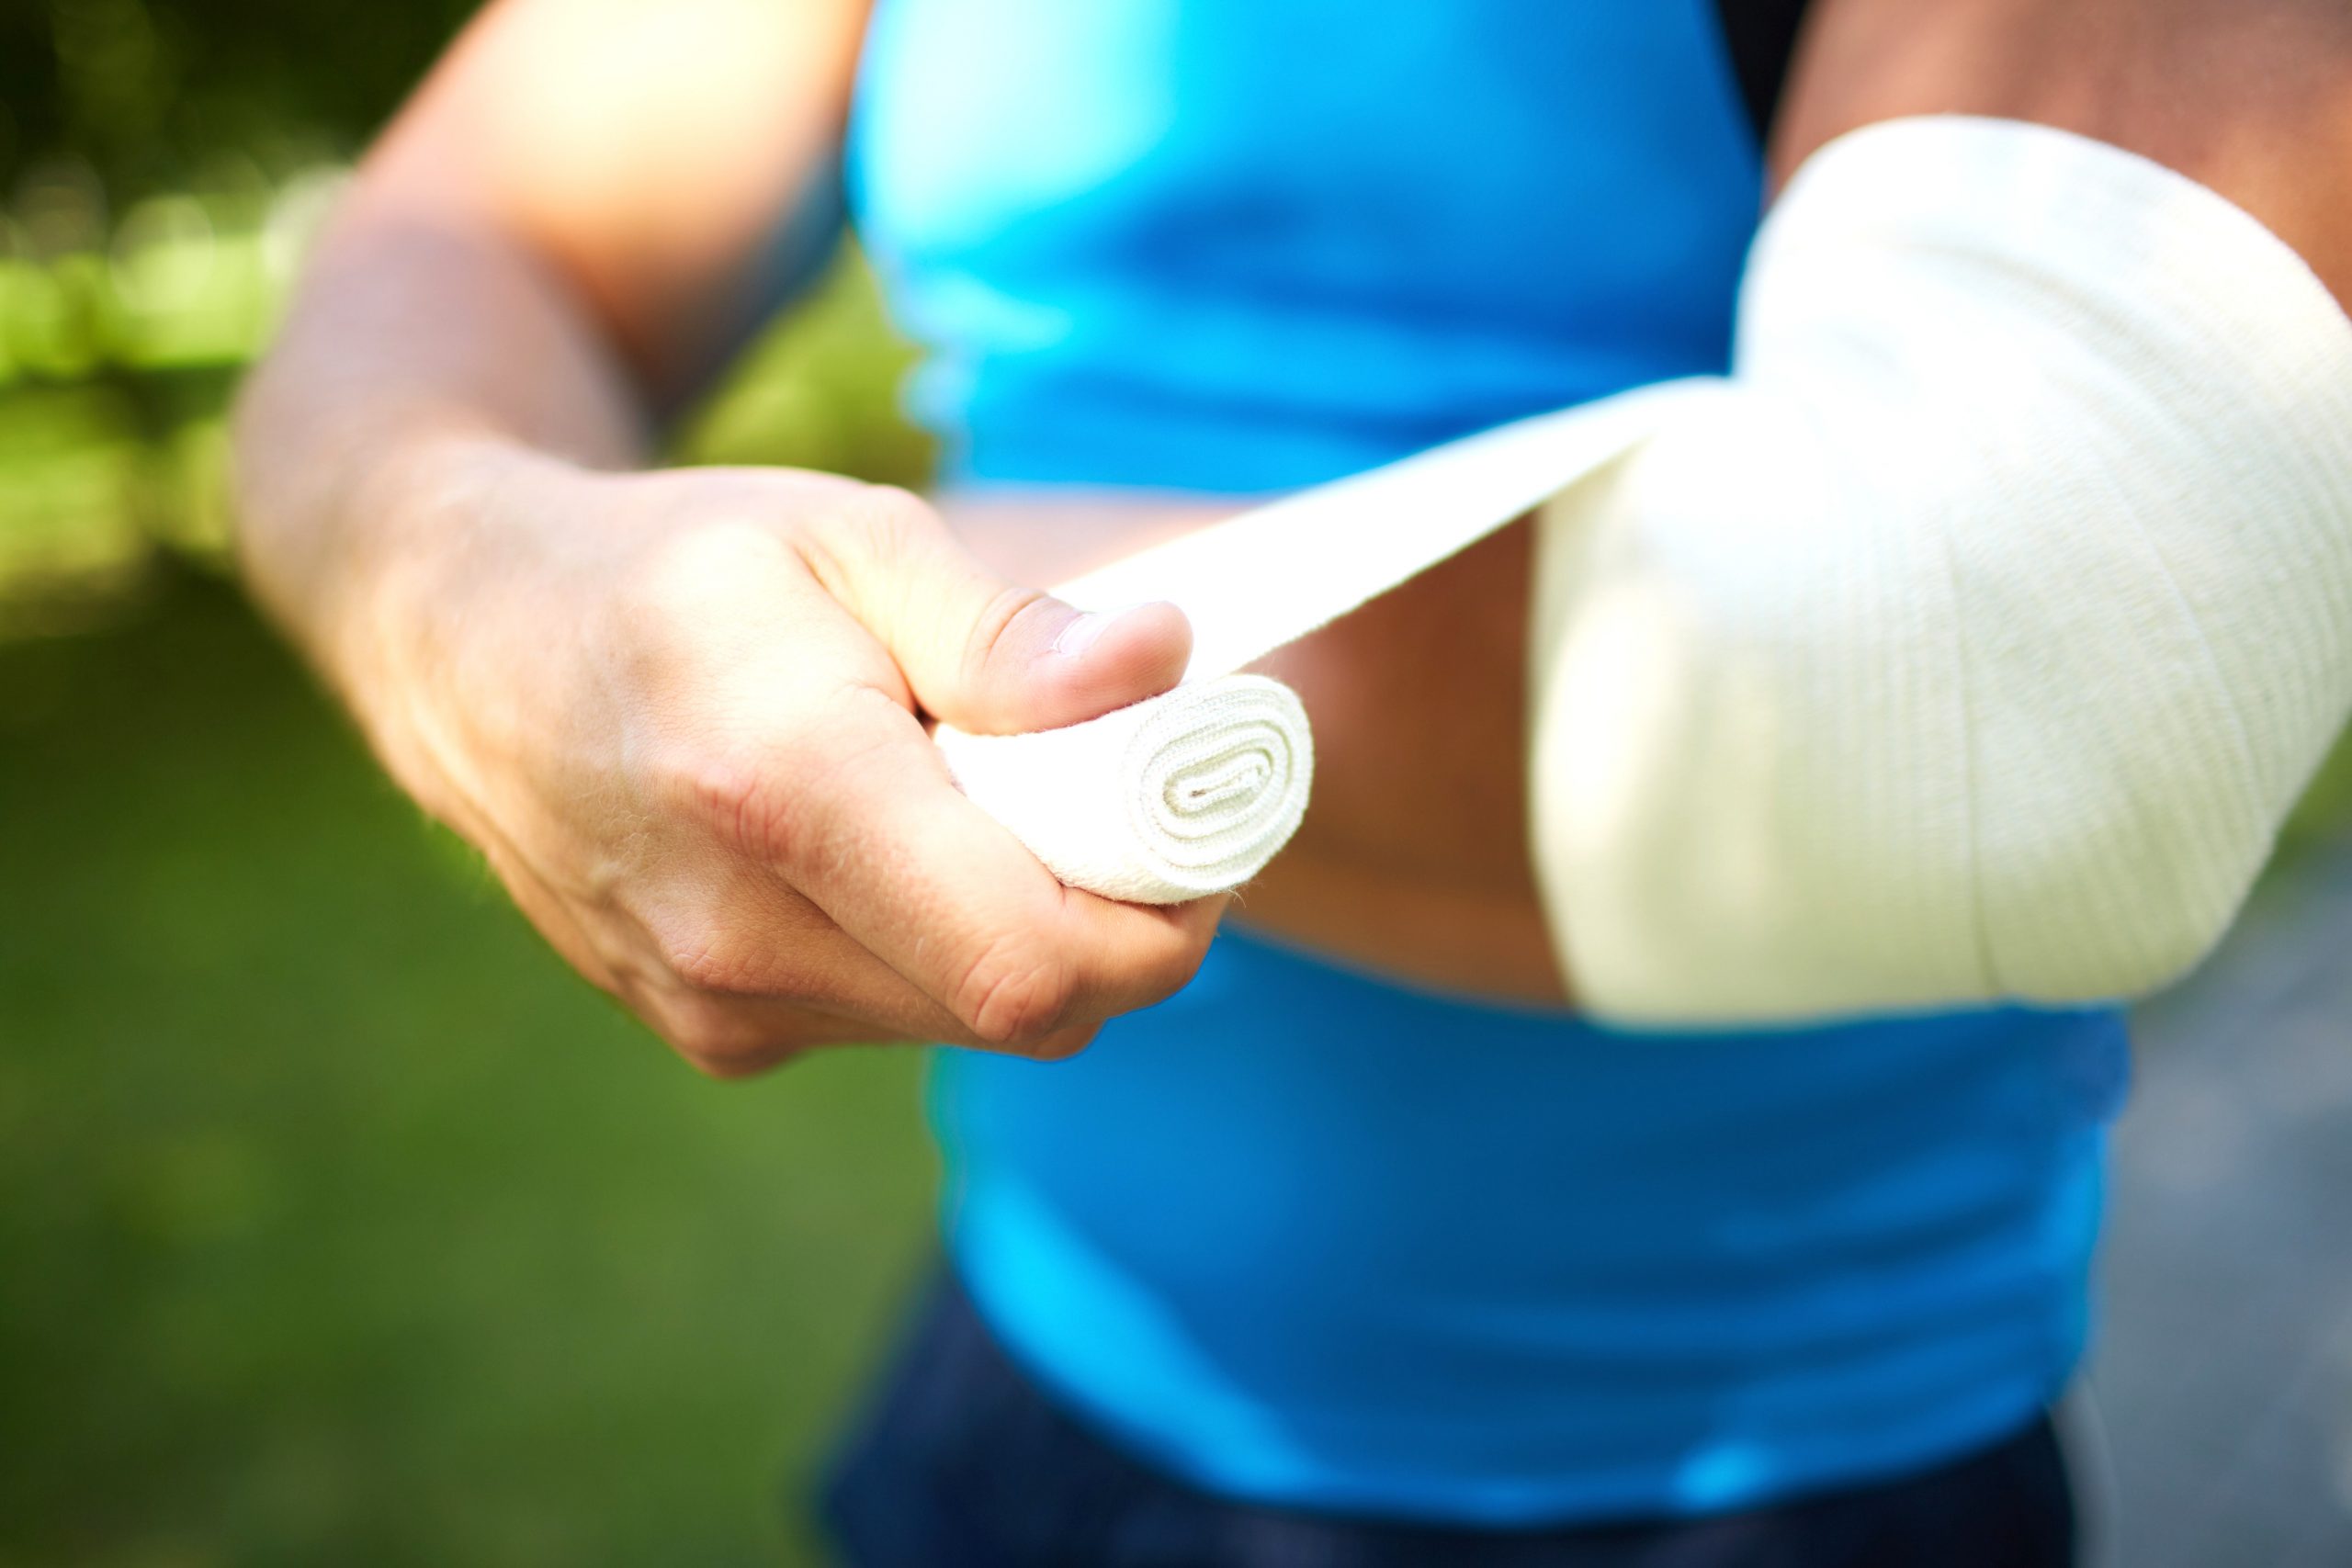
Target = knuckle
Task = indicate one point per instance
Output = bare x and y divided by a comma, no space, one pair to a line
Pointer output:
717,1043
1173,969
1065,1044
701,1033
709,566
896,513
794,794
1016,996
715,551
875,552
873,526
741,796
734,1065
700,958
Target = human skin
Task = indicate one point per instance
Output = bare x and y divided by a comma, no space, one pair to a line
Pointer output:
677,711
680,711
1413,859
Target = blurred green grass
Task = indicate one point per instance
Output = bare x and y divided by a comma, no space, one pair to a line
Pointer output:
342,1225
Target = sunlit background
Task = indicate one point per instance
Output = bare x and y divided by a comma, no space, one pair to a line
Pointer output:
338,1224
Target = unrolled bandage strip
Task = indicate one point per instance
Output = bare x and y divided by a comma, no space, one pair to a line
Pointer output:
1971,641
1192,791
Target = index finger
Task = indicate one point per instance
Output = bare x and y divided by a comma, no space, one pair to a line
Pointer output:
881,840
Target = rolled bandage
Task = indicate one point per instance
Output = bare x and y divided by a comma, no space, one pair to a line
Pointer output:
1185,794
1973,641
1192,791
1969,642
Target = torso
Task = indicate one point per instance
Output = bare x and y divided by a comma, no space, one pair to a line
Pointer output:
1305,1236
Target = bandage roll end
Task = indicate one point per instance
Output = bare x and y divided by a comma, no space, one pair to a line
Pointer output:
1183,795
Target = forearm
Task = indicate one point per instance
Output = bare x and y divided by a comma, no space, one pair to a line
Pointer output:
677,710
564,228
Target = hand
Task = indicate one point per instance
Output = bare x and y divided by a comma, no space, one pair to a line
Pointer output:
679,712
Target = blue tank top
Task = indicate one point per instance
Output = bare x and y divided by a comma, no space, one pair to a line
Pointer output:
1296,1234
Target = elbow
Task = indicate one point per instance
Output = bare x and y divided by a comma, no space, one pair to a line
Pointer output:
2115,887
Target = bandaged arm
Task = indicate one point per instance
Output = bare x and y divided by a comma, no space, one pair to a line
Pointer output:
1972,640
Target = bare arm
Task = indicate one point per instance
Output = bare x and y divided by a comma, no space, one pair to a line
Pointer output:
558,229
1413,857
677,711
2252,97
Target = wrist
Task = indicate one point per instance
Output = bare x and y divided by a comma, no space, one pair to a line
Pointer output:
441,536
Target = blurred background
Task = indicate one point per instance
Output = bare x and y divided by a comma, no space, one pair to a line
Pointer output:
337,1222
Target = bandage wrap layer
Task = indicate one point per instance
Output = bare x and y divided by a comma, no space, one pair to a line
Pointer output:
1974,640
1969,642
1107,804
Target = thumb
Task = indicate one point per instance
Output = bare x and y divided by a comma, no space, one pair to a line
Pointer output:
980,652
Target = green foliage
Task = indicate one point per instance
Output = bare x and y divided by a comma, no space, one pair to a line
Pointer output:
159,173
162,181
155,97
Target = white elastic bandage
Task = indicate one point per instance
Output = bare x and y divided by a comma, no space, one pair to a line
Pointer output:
1972,641
1184,795
1194,791
1977,638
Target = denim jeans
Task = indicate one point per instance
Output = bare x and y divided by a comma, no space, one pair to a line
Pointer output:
962,1462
